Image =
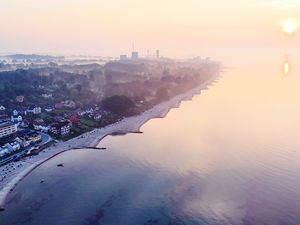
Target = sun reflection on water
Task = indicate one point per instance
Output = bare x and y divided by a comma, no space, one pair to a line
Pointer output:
286,65
286,68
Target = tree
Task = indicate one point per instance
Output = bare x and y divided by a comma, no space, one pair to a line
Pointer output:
168,78
92,77
162,94
35,84
118,104
78,87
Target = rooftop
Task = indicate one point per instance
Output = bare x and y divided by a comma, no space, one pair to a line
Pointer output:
6,124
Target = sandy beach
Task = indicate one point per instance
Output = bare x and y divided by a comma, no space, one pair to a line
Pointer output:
19,170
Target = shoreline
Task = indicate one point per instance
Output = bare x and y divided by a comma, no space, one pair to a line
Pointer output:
94,137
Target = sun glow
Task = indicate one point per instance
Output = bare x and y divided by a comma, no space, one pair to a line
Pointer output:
290,26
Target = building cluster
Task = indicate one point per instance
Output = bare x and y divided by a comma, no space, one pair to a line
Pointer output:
58,125
15,134
21,128
61,127
7,128
9,123
18,140
135,56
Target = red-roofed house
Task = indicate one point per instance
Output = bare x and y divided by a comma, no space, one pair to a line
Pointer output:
59,105
74,119
20,98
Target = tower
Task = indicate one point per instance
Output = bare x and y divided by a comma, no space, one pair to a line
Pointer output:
134,54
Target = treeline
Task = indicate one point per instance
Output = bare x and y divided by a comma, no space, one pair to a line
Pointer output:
123,89
32,83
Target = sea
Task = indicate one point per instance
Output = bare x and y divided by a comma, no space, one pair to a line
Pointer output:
230,156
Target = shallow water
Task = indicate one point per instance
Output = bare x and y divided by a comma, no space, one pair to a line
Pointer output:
230,156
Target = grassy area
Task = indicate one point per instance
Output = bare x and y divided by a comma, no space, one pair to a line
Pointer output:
70,136
88,122
83,127
45,116
61,111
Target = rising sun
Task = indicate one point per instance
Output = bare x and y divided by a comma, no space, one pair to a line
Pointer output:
290,26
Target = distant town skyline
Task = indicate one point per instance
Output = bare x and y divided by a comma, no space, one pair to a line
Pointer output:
176,27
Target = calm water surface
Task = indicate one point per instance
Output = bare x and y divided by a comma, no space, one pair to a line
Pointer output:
230,156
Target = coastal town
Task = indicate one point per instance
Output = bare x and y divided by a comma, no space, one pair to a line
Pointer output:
25,132
164,112
49,109
46,99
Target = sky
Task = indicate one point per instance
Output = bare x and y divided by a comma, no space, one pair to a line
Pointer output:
176,27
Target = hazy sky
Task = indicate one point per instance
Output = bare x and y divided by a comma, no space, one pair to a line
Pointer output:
176,27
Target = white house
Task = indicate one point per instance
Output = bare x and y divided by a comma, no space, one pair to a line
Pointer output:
3,151
23,142
15,146
9,148
47,95
15,113
97,117
16,119
61,128
81,113
49,109
35,110
41,127
89,110
69,104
